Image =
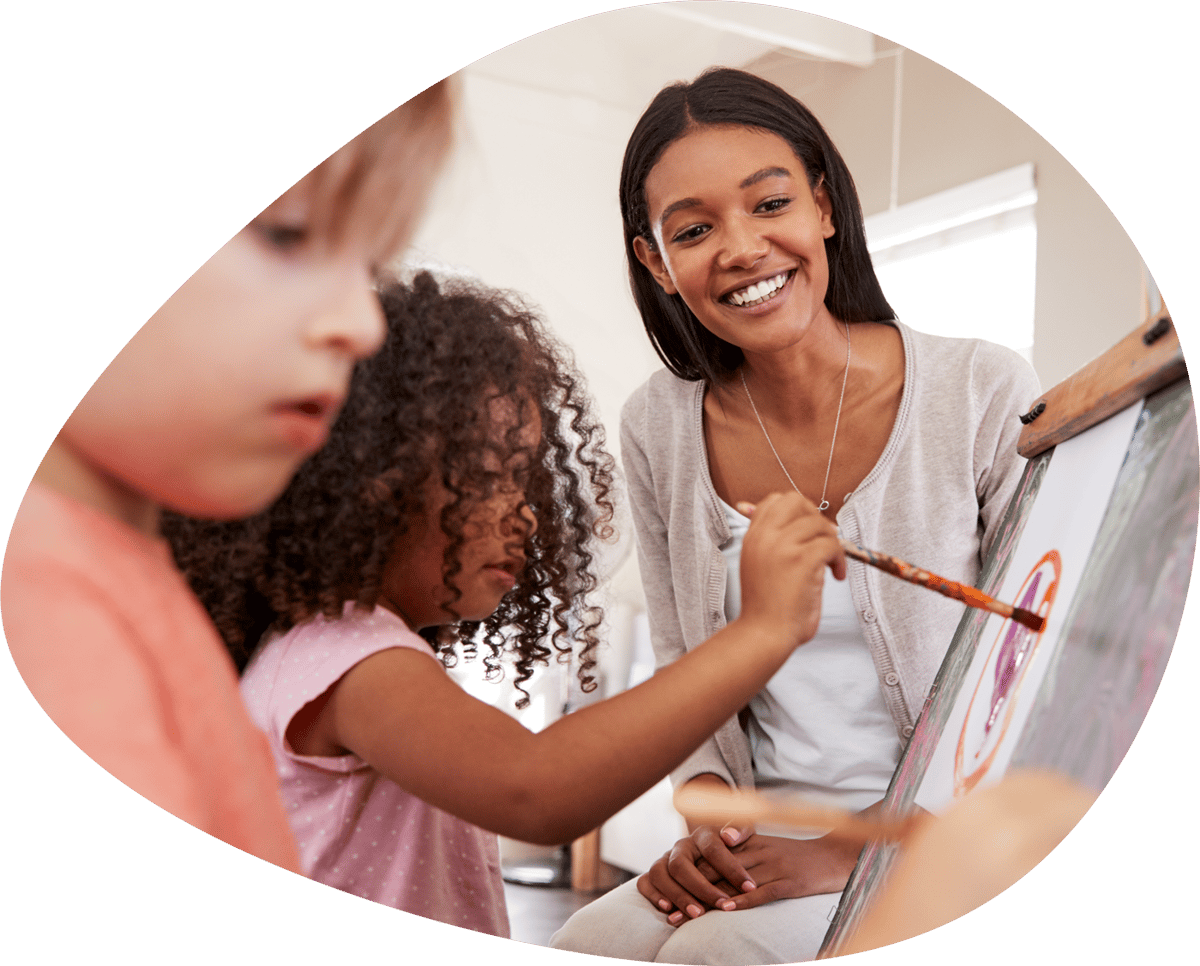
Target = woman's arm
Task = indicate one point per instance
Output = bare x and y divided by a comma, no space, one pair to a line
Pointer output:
655,563
400,712
1009,387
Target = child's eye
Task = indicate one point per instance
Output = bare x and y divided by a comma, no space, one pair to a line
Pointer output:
283,237
774,204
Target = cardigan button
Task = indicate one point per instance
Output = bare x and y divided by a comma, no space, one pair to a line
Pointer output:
892,678
869,616
907,731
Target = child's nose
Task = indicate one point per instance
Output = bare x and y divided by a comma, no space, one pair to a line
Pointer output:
355,325
529,517
521,520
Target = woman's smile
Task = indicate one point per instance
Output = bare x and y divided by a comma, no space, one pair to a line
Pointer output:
739,233
759,293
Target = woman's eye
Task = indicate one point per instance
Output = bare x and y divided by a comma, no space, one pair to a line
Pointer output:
774,204
283,237
691,233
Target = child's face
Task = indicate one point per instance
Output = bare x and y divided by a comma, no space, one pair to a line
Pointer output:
491,556
213,405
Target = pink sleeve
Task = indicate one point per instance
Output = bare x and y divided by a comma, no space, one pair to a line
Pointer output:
82,665
303,664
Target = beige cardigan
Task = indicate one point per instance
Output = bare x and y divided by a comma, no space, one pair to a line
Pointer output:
935,498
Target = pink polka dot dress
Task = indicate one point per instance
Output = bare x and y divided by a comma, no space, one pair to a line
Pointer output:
358,831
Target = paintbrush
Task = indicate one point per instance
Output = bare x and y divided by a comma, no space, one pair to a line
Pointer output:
710,806
950,588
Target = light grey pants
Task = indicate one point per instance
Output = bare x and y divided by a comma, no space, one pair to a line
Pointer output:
623,925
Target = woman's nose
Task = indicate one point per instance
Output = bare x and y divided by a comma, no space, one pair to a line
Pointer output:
353,322
743,245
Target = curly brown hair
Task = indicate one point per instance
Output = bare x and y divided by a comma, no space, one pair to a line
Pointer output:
418,414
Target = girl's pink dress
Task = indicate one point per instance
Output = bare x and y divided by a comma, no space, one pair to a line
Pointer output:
358,831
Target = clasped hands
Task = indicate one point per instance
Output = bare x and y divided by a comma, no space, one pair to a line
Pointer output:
736,868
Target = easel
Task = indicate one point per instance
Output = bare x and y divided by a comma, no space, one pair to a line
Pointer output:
1117,637
1089,709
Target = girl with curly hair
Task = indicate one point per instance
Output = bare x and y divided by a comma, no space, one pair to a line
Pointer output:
455,507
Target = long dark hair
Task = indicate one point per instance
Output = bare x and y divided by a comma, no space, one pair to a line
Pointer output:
724,96
418,411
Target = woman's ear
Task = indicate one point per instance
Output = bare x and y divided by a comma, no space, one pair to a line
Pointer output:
825,207
652,258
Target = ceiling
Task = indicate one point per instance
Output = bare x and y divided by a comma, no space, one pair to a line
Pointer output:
629,54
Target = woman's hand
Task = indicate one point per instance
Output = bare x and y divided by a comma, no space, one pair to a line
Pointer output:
686,881
696,874
786,868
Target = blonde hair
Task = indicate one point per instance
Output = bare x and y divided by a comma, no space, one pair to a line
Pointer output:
378,182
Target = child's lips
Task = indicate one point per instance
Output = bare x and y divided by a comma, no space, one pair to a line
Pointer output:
505,572
305,422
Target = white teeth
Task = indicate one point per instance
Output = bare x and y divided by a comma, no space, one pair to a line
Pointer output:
759,292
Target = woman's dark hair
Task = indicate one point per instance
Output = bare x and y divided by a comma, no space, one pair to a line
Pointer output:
723,96
418,413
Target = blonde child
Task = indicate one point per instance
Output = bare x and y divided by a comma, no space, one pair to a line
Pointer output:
455,507
209,409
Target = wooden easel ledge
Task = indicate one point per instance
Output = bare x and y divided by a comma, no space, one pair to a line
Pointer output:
1144,361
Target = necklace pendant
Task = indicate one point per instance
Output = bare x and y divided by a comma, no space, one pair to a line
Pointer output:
832,443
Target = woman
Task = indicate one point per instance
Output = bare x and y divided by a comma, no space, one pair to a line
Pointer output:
787,371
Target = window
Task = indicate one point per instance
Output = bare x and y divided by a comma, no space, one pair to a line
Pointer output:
963,262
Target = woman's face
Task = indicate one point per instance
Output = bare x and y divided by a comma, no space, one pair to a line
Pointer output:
491,555
740,236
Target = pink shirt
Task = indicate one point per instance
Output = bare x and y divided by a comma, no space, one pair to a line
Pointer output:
358,831
122,657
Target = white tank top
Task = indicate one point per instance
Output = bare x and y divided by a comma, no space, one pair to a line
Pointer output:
820,726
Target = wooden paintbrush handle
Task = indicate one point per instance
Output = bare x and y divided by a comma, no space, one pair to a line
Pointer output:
923,578
711,806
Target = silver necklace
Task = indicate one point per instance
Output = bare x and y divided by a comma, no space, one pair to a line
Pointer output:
824,505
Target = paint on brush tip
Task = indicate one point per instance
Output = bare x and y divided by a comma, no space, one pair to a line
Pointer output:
1031,620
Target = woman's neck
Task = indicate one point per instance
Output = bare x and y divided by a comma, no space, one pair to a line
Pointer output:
69,474
799,382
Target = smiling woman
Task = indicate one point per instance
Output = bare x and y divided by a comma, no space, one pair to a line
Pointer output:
787,372
748,239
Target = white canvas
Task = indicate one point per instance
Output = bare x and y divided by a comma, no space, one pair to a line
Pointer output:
1010,662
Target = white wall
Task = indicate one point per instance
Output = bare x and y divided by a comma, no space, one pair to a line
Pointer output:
530,198
1089,275
529,201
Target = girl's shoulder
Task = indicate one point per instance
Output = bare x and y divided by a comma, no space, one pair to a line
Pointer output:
333,641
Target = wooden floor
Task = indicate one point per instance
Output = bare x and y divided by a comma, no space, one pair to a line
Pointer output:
535,913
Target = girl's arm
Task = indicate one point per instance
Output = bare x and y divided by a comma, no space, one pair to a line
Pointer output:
399,711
